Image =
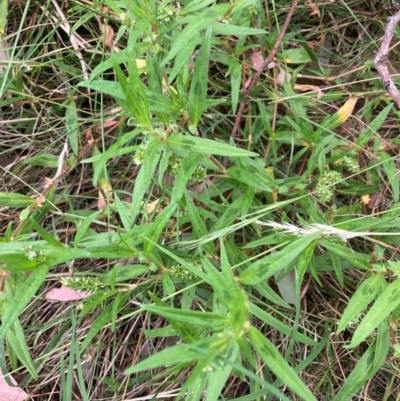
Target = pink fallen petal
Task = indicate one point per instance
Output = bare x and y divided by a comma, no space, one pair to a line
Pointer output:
66,294
9,393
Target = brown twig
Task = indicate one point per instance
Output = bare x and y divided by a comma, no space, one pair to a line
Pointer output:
263,67
381,59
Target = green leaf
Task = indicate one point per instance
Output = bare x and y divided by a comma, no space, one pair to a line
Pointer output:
83,225
367,366
42,159
158,227
335,259
366,292
357,259
198,22
198,87
16,338
202,319
304,262
294,56
184,174
221,369
189,144
152,155
181,353
184,330
251,177
372,128
199,227
278,325
220,28
133,88
25,293
235,71
45,235
97,325
389,166
195,5
271,264
3,17
383,306
273,359
124,273
72,125
10,199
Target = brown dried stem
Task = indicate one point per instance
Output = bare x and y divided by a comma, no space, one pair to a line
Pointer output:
263,67
381,59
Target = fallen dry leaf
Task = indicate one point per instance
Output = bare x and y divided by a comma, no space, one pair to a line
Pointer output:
257,60
306,88
314,8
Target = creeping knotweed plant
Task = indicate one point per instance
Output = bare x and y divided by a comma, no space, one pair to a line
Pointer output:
182,273
87,284
325,185
175,162
253,10
31,253
349,163
166,14
139,154
199,174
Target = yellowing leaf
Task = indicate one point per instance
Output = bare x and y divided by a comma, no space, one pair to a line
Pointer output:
345,111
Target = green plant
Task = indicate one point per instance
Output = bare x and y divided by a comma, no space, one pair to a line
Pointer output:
182,233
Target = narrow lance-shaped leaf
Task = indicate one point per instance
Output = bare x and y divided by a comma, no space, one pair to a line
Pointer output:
199,22
198,87
389,166
180,353
192,144
27,290
274,360
72,125
365,293
271,264
365,369
152,155
383,306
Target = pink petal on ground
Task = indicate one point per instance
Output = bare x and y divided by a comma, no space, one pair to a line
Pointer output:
66,294
8,393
